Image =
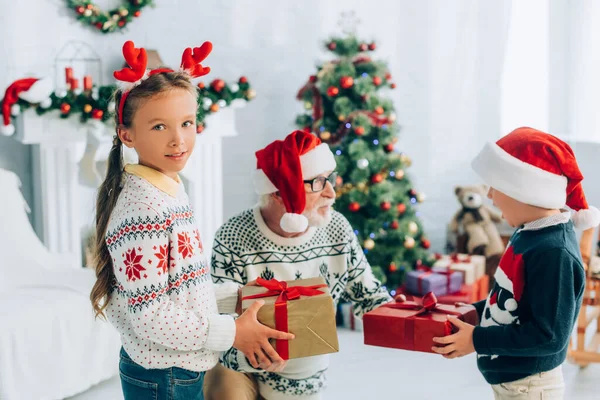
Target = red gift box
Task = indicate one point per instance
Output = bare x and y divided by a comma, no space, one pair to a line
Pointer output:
411,325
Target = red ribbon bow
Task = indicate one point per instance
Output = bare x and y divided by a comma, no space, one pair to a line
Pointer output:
455,259
428,305
284,294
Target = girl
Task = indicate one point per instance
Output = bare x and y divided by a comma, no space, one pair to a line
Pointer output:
152,278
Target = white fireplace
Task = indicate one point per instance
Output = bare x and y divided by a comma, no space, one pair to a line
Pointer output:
68,159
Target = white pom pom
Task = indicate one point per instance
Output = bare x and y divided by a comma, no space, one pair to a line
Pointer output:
235,87
510,305
7,130
293,223
206,102
46,103
15,110
222,103
585,219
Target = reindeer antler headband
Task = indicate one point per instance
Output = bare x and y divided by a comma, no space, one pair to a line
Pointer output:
137,60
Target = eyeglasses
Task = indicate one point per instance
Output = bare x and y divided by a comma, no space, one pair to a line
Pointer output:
318,184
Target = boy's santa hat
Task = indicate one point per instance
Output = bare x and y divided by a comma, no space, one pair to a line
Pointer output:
32,90
538,169
284,165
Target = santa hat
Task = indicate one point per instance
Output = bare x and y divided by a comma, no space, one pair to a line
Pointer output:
538,169
32,90
510,276
284,165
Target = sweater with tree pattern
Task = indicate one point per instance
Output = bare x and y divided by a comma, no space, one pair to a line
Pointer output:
245,249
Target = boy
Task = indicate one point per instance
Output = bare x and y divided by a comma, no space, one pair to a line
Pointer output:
528,317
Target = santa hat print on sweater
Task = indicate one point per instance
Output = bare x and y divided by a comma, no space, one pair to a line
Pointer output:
32,90
283,166
538,169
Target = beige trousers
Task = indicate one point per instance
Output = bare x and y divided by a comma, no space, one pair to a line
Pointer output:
542,386
221,383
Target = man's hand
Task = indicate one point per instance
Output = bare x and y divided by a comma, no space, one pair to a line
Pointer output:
459,344
252,339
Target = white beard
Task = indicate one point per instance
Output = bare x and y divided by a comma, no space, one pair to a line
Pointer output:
317,220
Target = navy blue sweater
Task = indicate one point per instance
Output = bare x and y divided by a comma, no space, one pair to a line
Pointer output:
530,313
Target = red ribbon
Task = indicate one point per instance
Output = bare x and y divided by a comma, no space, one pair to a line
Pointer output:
316,99
455,259
428,305
284,294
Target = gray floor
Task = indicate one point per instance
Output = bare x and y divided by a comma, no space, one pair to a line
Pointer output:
365,372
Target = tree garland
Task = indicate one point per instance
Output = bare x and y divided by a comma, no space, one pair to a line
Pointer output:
108,21
98,103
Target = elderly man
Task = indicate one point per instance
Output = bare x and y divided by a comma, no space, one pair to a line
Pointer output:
292,234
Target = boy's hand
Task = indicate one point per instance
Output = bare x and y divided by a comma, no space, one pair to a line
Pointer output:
458,344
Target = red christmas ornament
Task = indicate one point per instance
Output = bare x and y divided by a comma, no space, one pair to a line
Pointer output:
80,10
412,192
201,85
393,85
376,80
354,206
99,25
394,225
122,23
331,46
137,13
199,128
218,85
385,206
90,6
65,108
363,47
401,208
425,243
339,181
377,178
243,79
393,267
97,114
359,130
346,82
372,46
379,110
332,91
388,76
389,147
312,78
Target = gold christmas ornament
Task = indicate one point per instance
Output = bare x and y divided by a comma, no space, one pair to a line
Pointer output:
250,94
308,105
369,244
421,197
325,135
409,242
87,108
399,174
413,227
124,12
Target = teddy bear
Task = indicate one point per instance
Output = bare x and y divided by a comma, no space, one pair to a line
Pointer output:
477,220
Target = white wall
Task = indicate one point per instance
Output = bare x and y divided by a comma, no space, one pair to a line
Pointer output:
447,59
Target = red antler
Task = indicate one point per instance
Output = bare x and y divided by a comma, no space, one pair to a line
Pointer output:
137,61
192,62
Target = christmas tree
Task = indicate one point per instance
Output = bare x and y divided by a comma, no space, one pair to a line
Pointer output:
344,107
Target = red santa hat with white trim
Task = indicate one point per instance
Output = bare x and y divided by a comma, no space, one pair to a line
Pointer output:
538,169
284,165
32,90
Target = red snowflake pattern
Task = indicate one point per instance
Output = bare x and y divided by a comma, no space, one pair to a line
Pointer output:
197,236
163,259
184,245
133,265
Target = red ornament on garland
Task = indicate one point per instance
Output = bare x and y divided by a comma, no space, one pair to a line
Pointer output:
359,130
394,225
312,78
377,178
99,25
80,10
201,85
90,6
122,23
363,47
388,76
377,80
137,13
425,243
331,46
372,46
199,128
389,147
97,114
65,108
401,208
346,82
243,79
385,206
412,192
393,85
218,85
379,110
332,91
393,267
354,206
